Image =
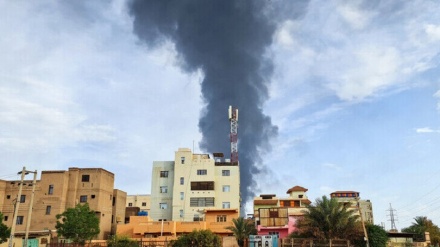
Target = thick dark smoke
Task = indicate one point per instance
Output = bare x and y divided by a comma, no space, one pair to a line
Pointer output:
227,40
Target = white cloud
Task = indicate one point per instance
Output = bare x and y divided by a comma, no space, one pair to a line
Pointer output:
433,32
331,166
353,14
426,130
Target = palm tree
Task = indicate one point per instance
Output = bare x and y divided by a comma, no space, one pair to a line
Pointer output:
241,229
329,219
421,225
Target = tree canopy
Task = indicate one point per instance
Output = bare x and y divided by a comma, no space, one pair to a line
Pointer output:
421,225
78,224
377,237
5,231
241,229
328,219
198,238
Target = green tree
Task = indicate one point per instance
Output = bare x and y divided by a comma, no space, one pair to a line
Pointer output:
241,229
5,231
78,224
121,241
421,225
377,237
200,238
328,219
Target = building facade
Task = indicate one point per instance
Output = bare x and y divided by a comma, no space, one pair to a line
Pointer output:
277,216
186,188
356,204
143,202
137,205
58,190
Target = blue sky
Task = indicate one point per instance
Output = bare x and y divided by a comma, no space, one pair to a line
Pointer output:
355,94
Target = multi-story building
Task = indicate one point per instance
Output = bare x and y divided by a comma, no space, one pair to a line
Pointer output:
137,205
184,189
58,190
277,216
356,204
143,202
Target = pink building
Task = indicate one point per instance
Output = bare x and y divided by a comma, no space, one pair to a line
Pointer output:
277,216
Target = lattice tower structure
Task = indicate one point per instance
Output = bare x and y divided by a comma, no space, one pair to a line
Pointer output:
233,118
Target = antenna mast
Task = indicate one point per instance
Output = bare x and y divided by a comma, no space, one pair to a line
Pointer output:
233,118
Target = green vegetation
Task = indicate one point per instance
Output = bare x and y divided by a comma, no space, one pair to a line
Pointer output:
242,229
121,241
421,225
78,224
5,231
200,238
328,219
377,237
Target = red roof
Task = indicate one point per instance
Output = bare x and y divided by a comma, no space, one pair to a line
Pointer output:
296,188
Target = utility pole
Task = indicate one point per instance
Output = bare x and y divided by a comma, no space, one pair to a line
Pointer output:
363,223
31,204
17,205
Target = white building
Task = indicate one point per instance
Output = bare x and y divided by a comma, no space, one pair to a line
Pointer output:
183,189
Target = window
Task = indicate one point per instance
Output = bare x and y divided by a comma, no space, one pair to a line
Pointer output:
181,213
83,199
163,189
273,213
144,204
202,172
201,202
209,185
50,192
226,205
6,218
275,233
221,218
130,204
20,220
300,196
85,178
163,205
226,188
92,196
197,218
163,174
182,180
226,173
182,194
48,208
22,198
8,197
113,201
182,160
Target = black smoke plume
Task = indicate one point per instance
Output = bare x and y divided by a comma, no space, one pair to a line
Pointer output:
227,40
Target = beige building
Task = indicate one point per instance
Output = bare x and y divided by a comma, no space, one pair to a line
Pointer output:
352,197
58,190
143,202
137,205
184,189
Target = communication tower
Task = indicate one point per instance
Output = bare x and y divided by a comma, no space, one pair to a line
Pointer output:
233,118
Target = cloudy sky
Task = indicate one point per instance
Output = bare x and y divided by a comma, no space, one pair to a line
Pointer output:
355,94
